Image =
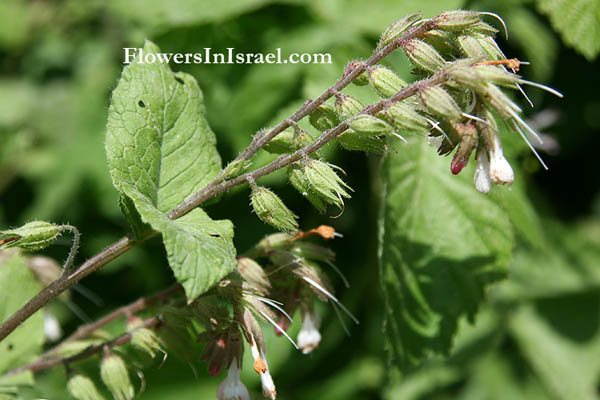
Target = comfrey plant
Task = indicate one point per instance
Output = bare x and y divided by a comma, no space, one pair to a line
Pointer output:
163,160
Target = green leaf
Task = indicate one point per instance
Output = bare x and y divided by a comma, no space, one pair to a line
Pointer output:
161,150
17,286
441,242
563,347
578,22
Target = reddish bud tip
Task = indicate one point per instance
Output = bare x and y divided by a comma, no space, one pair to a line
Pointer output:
457,165
214,370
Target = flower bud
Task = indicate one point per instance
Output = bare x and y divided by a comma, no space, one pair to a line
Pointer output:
282,143
483,29
32,236
275,241
369,125
347,107
471,47
143,338
323,117
83,388
468,143
309,336
253,273
490,46
385,82
355,141
497,75
423,55
440,103
324,182
298,179
398,28
270,209
232,387
499,101
403,117
456,20
481,177
288,141
443,42
235,168
116,378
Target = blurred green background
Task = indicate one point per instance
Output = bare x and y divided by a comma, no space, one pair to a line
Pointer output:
539,335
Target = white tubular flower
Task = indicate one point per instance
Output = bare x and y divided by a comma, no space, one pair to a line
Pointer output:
309,336
481,177
268,386
232,387
500,170
52,329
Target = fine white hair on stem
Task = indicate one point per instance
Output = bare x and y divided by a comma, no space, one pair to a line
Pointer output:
332,297
284,333
337,270
543,87
491,14
516,126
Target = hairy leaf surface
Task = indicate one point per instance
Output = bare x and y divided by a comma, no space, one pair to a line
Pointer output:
161,150
441,242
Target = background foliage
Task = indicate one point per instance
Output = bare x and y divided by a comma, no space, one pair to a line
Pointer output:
537,336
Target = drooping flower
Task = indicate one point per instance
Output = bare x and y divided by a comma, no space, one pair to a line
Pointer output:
481,177
309,336
232,387
500,170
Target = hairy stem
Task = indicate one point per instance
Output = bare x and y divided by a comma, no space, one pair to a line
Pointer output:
74,247
218,186
47,360
45,363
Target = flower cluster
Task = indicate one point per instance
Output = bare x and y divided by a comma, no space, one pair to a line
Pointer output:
278,276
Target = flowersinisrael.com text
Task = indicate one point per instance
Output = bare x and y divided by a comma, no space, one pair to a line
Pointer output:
230,56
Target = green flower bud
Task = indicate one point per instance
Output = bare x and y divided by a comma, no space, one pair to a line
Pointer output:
32,236
398,28
116,378
370,125
270,209
471,47
325,182
235,168
83,388
423,55
354,141
347,107
385,82
490,46
497,75
143,338
456,20
440,103
499,101
443,42
282,143
483,28
253,273
300,182
323,117
404,118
